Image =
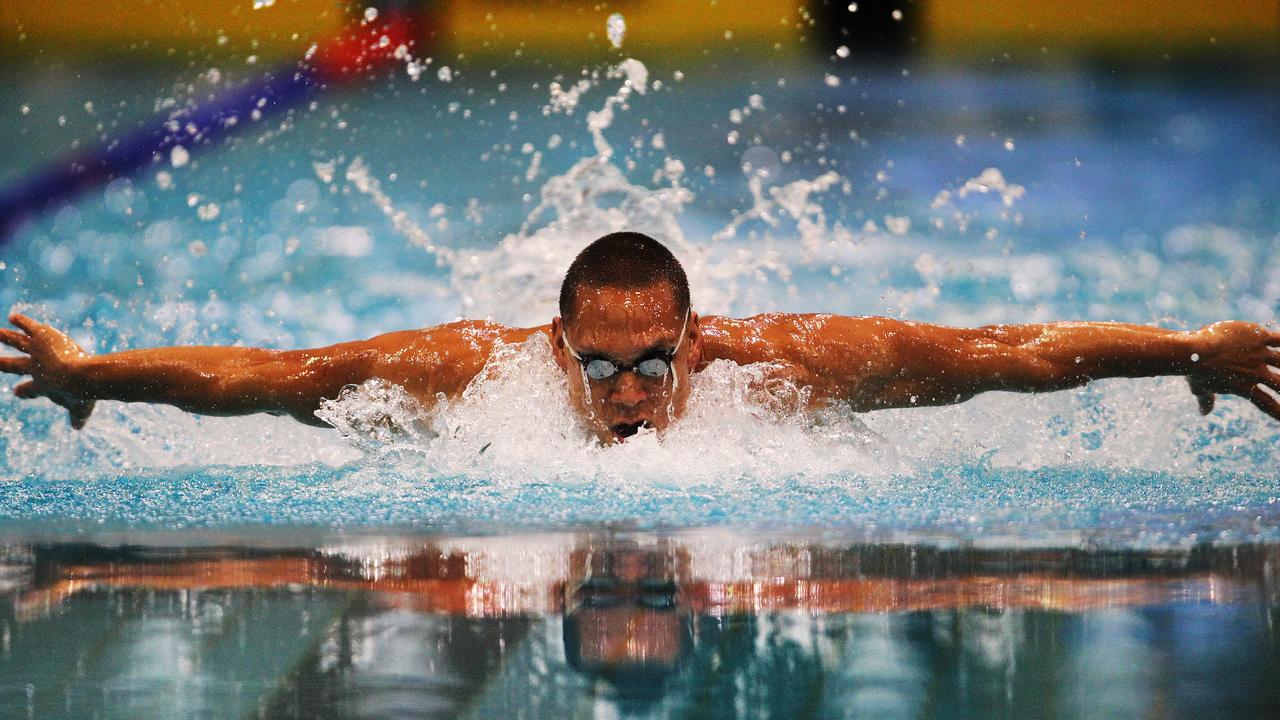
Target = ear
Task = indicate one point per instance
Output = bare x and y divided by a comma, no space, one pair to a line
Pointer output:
694,333
557,344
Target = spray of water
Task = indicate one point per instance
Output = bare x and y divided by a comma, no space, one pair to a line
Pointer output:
742,437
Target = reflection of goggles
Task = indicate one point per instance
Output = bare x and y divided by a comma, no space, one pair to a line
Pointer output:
649,593
655,366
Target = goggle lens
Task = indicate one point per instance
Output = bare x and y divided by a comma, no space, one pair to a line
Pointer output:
653,367
600,369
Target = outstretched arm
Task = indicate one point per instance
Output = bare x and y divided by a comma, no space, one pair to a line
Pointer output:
238,380
877,363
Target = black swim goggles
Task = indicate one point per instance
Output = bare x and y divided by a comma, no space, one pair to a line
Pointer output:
655,366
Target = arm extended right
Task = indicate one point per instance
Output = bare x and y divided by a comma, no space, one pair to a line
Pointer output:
239,380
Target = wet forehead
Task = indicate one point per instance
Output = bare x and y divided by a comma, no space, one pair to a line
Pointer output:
614,321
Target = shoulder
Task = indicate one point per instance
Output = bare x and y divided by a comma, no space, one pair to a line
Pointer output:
781,336
821,349
444,357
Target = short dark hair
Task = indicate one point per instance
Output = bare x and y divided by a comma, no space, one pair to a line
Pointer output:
626,260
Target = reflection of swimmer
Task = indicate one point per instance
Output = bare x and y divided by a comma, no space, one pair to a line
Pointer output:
628,341
626,617
604,573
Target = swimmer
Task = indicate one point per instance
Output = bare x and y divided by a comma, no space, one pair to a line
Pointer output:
628,341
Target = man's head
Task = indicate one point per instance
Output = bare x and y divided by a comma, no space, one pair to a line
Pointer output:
625,301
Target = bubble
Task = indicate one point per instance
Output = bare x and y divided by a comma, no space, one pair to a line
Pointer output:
897,225
178,156
120,196
444,74
260,4
304,194
842,51
209,211
370,14
57,260
761,162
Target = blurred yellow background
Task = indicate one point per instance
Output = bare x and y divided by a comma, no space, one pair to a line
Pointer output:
946,27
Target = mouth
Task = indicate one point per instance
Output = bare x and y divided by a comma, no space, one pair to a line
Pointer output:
621,431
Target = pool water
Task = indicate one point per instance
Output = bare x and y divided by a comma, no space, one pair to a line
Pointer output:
1092,553
624,624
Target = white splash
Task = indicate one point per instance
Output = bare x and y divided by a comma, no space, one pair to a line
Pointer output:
730,433
739,425
358,174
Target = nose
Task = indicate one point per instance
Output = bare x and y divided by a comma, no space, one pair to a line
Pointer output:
627,390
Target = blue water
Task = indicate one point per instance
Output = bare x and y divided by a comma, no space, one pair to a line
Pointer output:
1146,198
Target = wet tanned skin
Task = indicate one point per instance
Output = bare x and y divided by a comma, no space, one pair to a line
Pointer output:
627,326
868,363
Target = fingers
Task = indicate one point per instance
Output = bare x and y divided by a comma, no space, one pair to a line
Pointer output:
15,340
29,326
78,410
1264,401
17,365
80,414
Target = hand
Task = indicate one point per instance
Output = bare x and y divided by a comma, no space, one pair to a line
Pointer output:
1237,358
52,360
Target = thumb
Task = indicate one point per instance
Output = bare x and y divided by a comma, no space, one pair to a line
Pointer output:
80,413
1204,397
1206,403
26,390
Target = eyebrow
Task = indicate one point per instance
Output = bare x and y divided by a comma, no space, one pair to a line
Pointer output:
652,350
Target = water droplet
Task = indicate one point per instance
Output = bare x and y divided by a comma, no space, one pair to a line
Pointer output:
616,29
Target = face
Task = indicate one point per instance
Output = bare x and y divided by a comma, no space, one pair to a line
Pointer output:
627,327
